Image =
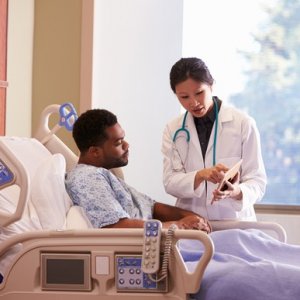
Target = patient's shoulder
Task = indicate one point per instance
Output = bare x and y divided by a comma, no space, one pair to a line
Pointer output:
83,170
88,174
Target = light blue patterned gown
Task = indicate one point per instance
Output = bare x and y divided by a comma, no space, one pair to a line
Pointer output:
105,198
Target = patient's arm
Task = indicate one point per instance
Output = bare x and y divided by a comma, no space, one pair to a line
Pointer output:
184,219
165,212
127,223
136,223
168,215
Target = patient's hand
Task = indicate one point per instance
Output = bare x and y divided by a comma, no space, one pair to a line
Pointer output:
194,222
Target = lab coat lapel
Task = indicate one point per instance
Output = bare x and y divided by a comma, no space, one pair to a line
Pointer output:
195,150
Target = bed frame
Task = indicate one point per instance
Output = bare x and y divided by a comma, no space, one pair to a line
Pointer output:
94,261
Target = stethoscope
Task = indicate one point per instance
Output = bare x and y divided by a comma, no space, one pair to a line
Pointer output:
187,133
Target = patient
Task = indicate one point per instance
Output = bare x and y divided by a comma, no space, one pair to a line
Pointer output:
106,199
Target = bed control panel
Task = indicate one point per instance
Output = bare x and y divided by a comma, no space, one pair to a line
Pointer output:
6,176
131,278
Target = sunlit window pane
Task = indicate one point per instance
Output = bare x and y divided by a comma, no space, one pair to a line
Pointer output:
252,48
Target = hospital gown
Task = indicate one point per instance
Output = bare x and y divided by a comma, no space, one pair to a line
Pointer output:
105,198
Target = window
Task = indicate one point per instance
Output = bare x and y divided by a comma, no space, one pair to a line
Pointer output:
252,49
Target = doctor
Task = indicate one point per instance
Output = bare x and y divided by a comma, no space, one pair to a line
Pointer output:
203,143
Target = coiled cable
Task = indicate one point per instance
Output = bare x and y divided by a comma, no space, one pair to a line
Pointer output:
167,253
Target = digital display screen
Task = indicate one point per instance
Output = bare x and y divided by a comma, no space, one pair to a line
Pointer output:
65,271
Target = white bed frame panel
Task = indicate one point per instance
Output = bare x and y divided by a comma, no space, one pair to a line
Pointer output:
24,281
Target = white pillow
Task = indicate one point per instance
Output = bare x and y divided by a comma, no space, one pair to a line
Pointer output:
48,194
77,219
26,224
9,199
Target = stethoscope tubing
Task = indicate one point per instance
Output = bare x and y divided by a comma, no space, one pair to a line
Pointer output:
188,137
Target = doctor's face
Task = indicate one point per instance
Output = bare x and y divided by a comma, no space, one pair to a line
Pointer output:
195,97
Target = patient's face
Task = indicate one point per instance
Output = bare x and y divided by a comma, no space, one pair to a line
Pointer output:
115,148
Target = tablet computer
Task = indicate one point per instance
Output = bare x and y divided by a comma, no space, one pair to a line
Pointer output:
229,175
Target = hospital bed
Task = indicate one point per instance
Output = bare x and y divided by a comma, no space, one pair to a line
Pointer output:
48,249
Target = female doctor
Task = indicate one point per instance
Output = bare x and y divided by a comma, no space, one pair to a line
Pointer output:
203,143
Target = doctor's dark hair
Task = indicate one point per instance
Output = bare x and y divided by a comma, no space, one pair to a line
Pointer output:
90,128
190,67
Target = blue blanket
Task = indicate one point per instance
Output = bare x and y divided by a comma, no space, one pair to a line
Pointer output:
247,265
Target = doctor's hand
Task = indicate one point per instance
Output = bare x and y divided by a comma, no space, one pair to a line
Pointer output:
194,222
214,174
231,190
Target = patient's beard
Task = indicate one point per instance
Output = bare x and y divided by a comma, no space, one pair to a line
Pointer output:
117,163
121,163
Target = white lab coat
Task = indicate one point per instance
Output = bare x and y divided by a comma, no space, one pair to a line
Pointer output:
237,138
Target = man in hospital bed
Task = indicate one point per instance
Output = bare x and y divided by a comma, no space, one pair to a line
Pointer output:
107,200
249,263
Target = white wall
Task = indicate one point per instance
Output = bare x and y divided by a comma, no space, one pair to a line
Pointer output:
135,44
19,67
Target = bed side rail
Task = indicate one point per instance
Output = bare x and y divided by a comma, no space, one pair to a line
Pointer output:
274,229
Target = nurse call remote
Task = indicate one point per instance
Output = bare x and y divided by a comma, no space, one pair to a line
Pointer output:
151,246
